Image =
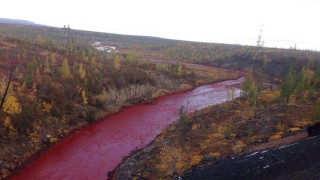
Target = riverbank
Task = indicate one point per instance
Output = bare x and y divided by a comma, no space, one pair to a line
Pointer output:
164,86
214,133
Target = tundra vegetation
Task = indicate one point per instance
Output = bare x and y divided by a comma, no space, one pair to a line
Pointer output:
52,84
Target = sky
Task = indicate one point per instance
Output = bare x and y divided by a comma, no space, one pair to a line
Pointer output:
284,22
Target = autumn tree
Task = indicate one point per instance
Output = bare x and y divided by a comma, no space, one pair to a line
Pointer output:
11,105
81,71
84,97
65,69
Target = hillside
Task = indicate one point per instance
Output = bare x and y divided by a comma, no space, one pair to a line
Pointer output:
17,21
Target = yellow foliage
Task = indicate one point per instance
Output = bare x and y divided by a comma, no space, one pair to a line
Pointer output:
294,129
309,75
84,97
238,147
171,160
292,99
65,69
46,107
279,133
63,120
203,146
196,159
103,96
82,72
216,135
11,105
7,122
274,137
52,139
195,126
35,137
224,143
268,96
301,123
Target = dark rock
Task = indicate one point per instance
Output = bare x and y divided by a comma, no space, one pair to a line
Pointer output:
314,130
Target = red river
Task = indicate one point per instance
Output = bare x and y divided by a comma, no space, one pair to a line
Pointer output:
92,152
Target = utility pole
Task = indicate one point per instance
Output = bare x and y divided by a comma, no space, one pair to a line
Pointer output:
67,33
260,42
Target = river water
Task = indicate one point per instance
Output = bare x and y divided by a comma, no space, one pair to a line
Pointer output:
92,152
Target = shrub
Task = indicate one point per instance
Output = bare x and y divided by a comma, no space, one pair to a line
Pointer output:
171,160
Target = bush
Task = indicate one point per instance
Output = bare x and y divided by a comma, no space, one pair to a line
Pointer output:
171,160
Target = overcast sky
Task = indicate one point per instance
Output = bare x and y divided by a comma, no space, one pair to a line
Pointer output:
286,22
